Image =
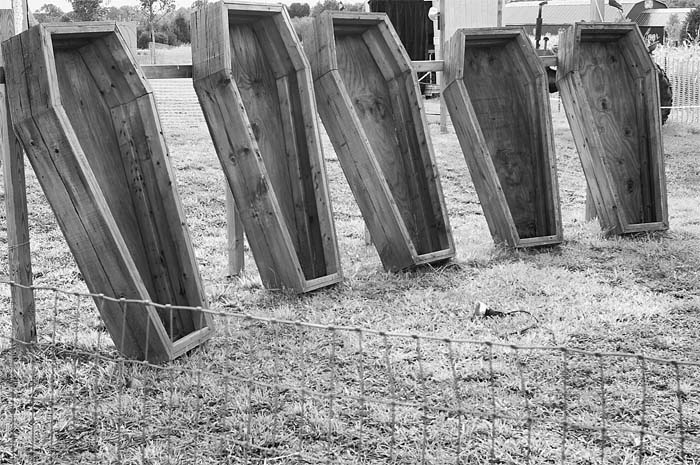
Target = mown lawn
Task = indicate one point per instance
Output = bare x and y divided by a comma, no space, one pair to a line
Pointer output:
272,392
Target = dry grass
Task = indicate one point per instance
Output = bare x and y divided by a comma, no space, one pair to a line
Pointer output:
238,399
166,55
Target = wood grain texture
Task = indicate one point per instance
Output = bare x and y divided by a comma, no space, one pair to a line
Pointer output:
19,253
610,95
101,160
372,101
262,105
375,79
497,100
363,172
234,235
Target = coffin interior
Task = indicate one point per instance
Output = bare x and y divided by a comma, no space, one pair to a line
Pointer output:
122,178
388,120
503,90
614,87
269,89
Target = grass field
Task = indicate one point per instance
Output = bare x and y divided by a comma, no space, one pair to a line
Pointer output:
239,398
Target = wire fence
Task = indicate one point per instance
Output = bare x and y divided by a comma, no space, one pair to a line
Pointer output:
682,66
266,390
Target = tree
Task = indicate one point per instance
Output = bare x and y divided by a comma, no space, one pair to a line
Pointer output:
326,5
690,31
181,28
154,10
335,5
299,10
673,29
87,10
49,13
355,6
123,13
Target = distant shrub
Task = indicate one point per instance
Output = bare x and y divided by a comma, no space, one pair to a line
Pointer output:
301,25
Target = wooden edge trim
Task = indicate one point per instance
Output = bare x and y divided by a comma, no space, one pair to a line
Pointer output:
323,281
443,254
644,227
192,340
542,240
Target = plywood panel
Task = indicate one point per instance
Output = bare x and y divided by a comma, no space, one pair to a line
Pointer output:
498,103
89,124
370,105
259,106
609,88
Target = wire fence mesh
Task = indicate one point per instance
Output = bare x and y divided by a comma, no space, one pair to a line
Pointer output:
682,66
266,390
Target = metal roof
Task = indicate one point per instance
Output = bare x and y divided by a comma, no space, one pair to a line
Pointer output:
562,11
660,17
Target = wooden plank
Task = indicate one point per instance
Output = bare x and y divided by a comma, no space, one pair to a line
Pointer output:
390,145
547,210
307,238
317,185
610,95
122,65
169,217
393,45
255,80
481,168
82,29
427,66
382,56
371,100
82,213
363,173
504,102
101,159
268,85
585,136
77,199
19,253
505,112
211,50
159,265
425,166
183,345
253,8
234,235
242,162
269,41
618,132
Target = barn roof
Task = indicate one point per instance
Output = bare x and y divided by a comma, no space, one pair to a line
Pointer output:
564,11
659,18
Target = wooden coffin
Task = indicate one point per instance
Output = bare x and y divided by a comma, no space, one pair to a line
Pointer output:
254,85
370,104
608,84
87,119
496,93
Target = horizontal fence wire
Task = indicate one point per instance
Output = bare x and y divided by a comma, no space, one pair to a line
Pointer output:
266,390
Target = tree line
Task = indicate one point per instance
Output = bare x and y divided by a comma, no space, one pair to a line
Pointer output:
159,20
